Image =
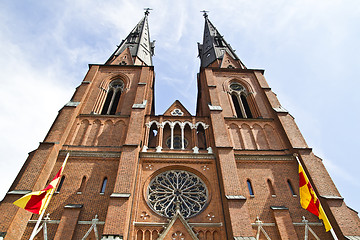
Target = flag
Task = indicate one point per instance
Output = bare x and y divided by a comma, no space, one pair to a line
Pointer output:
36,202
309,200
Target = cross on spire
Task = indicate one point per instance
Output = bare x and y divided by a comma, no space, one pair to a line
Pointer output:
147,11
205,13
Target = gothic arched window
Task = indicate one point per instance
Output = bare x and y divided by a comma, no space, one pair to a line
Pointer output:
271,188
291,188
113,97
103,186
251,191
239,99
153,136
201,138
60,184
82,185
237,107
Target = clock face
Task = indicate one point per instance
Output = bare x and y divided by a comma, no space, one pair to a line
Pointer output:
236,87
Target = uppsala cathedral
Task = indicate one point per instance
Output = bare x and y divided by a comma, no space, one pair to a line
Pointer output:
228,172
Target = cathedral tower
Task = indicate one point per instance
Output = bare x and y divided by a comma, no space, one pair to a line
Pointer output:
229,172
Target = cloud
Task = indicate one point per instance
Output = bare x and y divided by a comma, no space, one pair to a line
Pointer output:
338,171
30,99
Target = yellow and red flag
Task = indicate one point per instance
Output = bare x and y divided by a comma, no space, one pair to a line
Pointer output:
309,200
36,202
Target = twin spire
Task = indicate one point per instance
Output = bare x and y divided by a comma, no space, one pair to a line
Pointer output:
136,48
215,51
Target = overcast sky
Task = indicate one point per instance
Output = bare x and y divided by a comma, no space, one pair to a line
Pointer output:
309,50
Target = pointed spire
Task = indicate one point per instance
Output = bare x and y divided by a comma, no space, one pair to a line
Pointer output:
138,45
216,49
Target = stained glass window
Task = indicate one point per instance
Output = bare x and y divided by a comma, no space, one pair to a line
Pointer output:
170,187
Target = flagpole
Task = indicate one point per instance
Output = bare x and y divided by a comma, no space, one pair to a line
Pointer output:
34,232
331,230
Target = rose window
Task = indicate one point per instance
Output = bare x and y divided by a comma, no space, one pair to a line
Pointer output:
177,186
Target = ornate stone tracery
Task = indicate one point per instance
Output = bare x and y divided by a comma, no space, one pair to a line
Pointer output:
173,186
155,129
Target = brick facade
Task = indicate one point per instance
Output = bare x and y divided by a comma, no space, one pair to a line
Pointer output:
134,145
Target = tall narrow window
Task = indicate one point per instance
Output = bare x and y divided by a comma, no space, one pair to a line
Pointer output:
82,185
246,106
133,37
218,42
241,105
152,136
237,106
60,184
115,103
113,97
291,188
201,137
251,191
107,101
271,189
103,186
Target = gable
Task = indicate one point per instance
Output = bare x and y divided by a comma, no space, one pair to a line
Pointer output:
123,58
177,231
229,62
177,109
178,228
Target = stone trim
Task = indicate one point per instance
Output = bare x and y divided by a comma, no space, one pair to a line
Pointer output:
244,238
188,161
219,224
20,192
280,109
294,223
33,221
235,119
97,116
120,195
155,224
73,206
90,222
331,197
112,237
140,105
235,197
91,154
353,237
264,157
58,221
311,224
214,108
279,208
72,104
164,155
149,224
